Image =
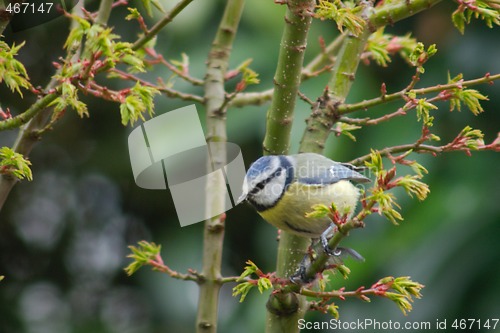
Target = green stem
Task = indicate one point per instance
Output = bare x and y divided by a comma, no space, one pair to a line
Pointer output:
318,64
161,24
320,261
325,112
24,117
393,11
285,310
213,237
348,108
416,148
104,12
287,76
325,58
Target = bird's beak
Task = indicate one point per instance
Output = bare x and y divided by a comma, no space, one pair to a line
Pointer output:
242,198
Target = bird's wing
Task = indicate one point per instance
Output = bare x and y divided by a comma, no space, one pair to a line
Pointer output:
315,169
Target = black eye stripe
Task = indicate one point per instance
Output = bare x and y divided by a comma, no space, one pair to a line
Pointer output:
264,182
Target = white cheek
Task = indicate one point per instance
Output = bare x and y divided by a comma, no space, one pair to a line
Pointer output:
271,192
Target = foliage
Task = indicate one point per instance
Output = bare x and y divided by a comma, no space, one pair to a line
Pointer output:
12,71
344,13
488,11
138,100
142,255
12,163
97,57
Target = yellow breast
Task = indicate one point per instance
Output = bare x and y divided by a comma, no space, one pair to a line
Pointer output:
289,213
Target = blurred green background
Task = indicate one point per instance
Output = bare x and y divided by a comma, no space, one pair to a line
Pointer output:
64,236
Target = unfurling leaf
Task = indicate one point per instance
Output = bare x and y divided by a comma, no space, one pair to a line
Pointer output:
138,101
12,163
242,289
250,269
142,255
423,111
12,71
488,11
333,310
344,13
318,211
412,185
404,289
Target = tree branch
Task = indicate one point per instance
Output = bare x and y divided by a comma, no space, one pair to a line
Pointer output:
325,58
24,117
161,24
393,11
285,310
213,237
104,12
287,76
348,108
325,114
28,135
164,89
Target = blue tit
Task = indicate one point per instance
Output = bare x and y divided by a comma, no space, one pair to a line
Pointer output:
284,188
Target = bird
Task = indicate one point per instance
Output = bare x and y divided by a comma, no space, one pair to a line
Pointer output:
283,188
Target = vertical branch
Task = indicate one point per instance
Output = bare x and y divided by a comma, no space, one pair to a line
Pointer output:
215,95
104,11
287,76
285,310
325,112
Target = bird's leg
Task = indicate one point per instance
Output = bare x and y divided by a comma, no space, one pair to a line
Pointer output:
299,277
324,241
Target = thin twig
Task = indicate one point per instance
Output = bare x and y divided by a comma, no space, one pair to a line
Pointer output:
167,91
161,267
158,58
161,24
348,108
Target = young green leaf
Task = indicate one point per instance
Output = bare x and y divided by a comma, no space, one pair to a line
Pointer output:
413,186
138,101
142,255
318,211
344,13
12,71
12,163
242,289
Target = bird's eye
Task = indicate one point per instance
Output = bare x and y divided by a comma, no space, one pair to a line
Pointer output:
260,186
